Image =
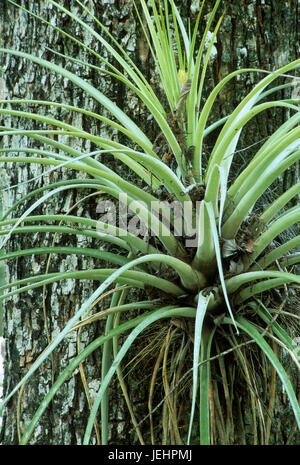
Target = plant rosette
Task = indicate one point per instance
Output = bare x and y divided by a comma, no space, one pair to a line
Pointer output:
192,232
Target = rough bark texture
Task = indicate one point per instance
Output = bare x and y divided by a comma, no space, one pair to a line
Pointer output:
254,33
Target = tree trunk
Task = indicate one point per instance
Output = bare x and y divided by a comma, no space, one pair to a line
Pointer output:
261,34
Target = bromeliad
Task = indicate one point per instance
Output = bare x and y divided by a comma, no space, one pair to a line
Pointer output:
206,252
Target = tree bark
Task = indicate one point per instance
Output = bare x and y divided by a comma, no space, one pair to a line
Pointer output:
263,34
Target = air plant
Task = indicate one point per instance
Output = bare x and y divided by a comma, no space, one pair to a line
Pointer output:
209,249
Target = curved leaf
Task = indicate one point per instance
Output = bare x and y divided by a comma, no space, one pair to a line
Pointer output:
249,328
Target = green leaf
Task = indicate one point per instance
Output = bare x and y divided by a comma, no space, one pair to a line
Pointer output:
218,257
202,304
267,317
228,137
249,328
88,88
277,254
67,372
205,256
200,132
166,312
280,224
113,277
207,337
234,283
88,252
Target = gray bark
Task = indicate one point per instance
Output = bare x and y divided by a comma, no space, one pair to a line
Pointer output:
253,34
25,332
